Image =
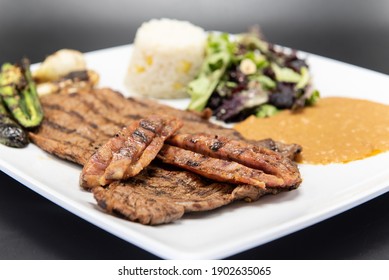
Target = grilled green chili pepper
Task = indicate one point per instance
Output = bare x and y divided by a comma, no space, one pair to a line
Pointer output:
11,133
17,88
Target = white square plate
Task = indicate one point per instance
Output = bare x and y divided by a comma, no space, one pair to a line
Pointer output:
326,190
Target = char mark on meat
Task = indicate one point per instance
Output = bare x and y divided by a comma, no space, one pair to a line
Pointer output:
128,152
63,149
247,154
217,169
291,151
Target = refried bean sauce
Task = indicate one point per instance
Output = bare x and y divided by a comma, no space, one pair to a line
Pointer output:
335,130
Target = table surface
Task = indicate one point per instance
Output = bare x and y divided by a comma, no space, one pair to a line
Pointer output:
31,227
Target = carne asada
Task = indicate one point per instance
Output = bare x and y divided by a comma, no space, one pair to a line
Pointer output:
160,195
247,154
217,169
128,152
77,124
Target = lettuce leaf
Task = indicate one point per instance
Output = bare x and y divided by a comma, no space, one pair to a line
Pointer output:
219,51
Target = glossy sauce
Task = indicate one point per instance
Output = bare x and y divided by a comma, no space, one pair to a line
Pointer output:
335,130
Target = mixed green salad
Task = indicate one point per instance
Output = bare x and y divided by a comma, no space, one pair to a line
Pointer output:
244,74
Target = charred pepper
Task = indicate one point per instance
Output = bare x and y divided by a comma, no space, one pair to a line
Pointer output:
18,90
11,133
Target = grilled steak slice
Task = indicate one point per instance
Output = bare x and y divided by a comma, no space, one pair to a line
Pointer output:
77,124
158,195
128,152
291,151
247,154
217,169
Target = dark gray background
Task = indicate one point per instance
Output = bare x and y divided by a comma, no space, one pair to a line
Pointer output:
356,32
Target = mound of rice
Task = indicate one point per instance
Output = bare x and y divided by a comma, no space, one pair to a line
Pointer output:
167,55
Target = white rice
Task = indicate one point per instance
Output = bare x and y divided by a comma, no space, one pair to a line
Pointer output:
167,55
